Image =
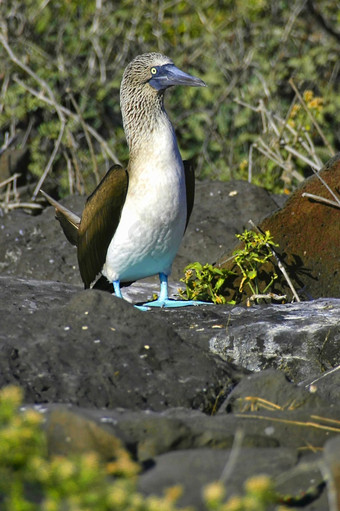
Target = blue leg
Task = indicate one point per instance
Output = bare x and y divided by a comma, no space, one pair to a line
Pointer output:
118,293
116,287
164,300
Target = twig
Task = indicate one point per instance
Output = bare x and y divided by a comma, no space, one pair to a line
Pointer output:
95,41
9,180
299,5
324,375
283,164
16,205
321,199
308,424
234,453
69,172
27,132
87,136
310,148
50,161
280,265
301,156
326,185
250,163
8,141
274,155
270,296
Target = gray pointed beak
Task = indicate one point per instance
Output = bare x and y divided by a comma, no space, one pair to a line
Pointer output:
170,75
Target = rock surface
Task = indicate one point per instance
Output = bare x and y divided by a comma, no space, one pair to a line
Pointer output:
194,394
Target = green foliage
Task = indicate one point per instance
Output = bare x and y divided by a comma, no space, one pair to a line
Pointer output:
210,283
259,495
255,253
32,481
71,55
205,283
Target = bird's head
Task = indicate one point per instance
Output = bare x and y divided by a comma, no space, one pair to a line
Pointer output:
157,71
142,89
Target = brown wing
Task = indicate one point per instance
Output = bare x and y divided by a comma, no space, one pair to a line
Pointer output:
189,170
99,222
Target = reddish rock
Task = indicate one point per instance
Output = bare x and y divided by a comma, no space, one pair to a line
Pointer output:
308,234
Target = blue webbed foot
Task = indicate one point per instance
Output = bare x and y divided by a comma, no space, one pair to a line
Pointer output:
165,301
168,302
144,307
118,293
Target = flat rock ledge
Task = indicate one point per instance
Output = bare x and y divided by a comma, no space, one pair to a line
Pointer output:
180,387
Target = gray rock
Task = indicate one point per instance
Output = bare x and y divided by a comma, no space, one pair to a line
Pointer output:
200,467
301,339
98,350
331,469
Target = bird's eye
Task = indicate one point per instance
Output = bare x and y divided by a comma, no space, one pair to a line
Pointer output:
153,71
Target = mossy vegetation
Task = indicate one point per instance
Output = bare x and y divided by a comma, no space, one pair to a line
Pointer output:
32,480
62,64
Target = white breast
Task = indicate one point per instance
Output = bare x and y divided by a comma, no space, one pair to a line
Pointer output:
154,214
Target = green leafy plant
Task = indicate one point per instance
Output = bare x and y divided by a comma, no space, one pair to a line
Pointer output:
259,495
205,282
31,480
255,253
211,283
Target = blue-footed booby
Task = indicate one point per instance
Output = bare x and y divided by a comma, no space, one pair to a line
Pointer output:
133,223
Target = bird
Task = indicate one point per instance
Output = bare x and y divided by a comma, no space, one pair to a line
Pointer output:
134,221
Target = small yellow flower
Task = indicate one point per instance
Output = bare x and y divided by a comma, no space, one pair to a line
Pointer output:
33,418
257,484
173,494
294,111
12,394
214,493
243,164
316,104
188,274
62,467
51,505
234,504
118,496
308,95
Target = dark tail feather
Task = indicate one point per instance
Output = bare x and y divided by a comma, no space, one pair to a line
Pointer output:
69,221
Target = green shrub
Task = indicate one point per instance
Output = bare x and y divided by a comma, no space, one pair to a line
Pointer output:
205,282
216,284
62,64
30,480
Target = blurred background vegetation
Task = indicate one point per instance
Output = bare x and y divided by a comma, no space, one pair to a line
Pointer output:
270,110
